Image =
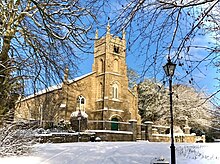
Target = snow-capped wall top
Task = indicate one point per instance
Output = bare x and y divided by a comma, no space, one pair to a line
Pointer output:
75,114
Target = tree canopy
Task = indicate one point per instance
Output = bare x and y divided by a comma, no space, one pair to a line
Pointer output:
39,38
189,105
187,31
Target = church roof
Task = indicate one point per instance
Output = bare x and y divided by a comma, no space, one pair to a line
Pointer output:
79,78
55,87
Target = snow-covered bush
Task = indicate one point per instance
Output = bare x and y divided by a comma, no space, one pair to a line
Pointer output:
15,140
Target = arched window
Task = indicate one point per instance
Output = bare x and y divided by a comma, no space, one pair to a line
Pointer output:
101,66
115,91
115,65
81,102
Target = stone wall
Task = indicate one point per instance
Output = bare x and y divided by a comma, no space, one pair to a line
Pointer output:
177,139
127,131
64,137
108,135
157,133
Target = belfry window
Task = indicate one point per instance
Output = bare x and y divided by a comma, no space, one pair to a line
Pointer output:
101,66
81,101
116,49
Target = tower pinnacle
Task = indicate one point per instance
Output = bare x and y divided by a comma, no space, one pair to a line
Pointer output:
123,34
66,74
108,28
96,34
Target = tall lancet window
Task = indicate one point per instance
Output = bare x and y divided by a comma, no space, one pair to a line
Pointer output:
100,90
115,65
115,91
81,103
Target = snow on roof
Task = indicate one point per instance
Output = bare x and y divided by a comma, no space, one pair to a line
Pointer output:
46,90
79,78
55,87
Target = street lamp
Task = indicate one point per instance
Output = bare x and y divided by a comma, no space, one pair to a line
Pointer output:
79,117
169,69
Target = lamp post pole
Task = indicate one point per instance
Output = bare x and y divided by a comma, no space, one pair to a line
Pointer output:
172,147
79,116
169,69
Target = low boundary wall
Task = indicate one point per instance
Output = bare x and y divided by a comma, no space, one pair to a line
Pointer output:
109,135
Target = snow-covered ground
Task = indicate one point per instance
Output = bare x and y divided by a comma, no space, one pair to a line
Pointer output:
117,153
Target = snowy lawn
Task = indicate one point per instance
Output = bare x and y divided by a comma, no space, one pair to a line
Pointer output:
117,153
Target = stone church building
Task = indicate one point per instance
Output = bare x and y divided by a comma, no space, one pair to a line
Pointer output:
99,102
102,96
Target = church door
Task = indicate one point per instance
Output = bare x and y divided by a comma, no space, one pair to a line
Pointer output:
114,125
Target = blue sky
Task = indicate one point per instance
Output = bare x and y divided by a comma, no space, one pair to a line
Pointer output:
138,52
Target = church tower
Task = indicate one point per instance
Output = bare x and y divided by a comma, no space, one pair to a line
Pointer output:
111,74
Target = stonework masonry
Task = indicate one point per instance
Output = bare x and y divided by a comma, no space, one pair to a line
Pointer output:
102,94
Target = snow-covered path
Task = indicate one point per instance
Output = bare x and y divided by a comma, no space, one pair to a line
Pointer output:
117,153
